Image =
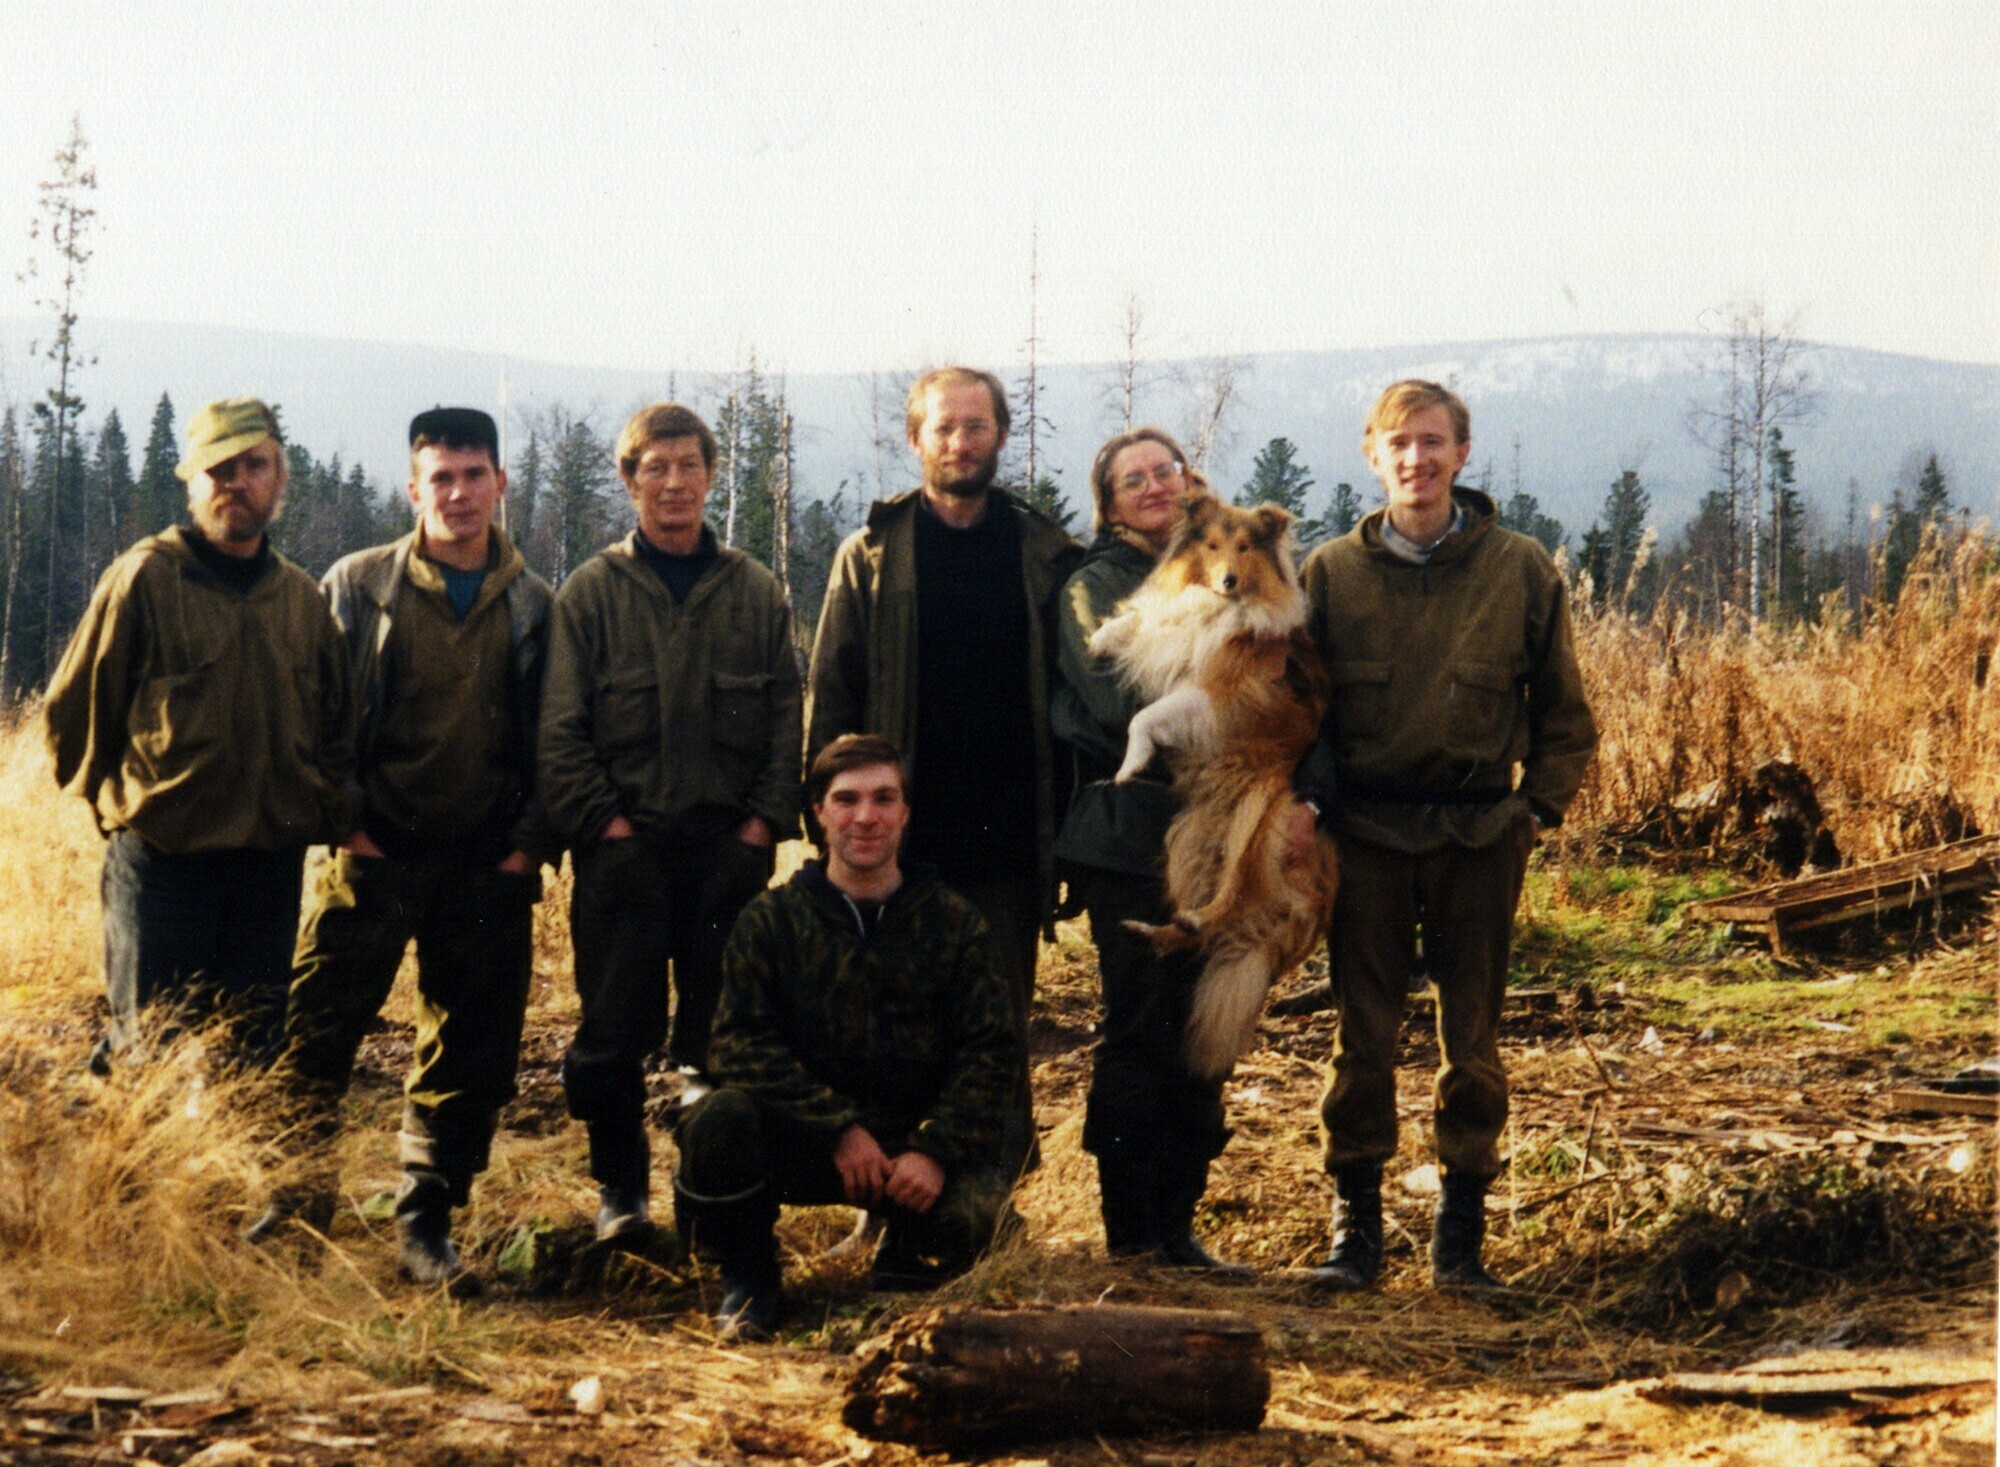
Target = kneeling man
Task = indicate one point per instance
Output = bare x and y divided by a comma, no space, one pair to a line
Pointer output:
864,1051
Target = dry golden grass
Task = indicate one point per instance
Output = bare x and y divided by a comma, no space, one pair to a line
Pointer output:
1896,721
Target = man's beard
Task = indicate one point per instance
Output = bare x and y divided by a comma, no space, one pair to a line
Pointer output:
241,524
977,484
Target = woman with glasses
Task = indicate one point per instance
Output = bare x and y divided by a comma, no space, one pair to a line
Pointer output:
1153,1126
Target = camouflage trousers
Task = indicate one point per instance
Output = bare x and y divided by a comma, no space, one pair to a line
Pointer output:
1463,903
472,924
734,1148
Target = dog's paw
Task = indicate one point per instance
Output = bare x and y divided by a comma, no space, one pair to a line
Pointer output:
1188,922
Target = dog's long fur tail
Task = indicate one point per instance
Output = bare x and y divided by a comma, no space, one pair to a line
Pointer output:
1222,1020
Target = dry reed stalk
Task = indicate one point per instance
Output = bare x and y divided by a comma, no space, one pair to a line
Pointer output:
1896,720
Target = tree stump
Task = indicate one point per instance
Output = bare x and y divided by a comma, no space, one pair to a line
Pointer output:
958,1378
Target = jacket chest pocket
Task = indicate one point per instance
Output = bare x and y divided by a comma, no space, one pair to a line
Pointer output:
743,711
628,710
1480,716
1360,698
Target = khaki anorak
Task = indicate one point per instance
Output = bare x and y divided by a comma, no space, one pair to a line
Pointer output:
453,760
864,662
656,710
202,718
1449,678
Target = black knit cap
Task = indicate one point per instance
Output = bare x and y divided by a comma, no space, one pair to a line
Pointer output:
456,427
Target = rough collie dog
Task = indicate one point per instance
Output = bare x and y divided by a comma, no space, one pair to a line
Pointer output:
1215,639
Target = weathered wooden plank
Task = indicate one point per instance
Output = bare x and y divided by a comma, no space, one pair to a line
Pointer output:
1844,896
1942,1103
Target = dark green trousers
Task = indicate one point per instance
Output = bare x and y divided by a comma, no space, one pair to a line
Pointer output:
735,1148
472,924
1463,902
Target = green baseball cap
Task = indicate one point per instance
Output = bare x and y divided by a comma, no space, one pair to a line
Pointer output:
223,429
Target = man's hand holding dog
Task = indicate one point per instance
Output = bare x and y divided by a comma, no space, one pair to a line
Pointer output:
1301,829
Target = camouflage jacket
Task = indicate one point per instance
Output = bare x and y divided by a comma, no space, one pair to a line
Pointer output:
907,1031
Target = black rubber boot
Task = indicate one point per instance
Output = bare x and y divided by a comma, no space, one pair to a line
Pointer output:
1126,1185
621,1163
1182,1183
424,1253
900,1268
736,1235
1457,1233
310,1209
1356,1258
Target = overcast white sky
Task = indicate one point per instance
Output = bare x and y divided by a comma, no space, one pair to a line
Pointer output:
844,186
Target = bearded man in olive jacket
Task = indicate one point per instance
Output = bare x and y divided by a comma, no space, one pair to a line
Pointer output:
670,763
202,709
938,633
1457,732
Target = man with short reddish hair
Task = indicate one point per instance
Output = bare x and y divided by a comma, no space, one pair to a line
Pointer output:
670,763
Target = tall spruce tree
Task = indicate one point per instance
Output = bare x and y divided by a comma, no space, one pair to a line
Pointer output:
1610,549
1791,593
162,496
1278,477
59,237
115,494
1523,512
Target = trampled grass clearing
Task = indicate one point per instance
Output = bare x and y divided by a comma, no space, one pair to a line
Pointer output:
1705,1168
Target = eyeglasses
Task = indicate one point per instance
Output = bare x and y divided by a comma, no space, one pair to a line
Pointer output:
1165,475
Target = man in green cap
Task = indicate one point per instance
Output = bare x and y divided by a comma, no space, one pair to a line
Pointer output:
447,628
202,708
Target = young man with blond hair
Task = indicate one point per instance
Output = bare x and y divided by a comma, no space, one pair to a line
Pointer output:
670,764
1457,732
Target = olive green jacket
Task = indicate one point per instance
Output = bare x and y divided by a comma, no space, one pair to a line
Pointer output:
362,590
202,718
864,660
908,1030
656,710
1110,827
1450,679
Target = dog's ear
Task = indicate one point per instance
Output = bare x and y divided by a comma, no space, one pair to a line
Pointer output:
1272,521
1200,508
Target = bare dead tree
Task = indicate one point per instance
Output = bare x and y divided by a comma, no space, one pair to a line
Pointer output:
1762,386
1214,389
781,498
1031,391
1130,376
732,458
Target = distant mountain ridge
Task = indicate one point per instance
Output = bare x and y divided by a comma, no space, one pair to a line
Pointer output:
1581,408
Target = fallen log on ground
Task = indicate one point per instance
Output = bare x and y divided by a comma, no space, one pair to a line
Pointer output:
959,1378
